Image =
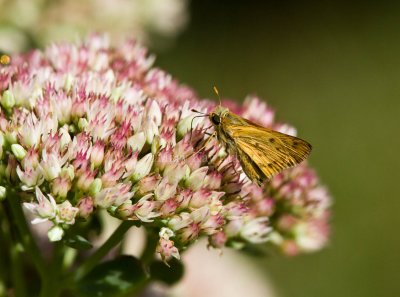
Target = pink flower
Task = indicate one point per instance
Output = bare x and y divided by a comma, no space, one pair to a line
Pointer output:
145,209
165,246
99,128
113,196
61,186
85,206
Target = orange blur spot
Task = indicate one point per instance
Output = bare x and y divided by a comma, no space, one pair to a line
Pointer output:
5,60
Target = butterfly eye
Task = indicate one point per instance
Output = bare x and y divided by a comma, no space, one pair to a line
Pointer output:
215,119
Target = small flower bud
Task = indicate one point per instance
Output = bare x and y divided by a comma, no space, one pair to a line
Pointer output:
69,80
60,187
194,161
82,124
213,180
85,180
196,179
200,198
164,159
85,206
218,239
65,137
97,154
155,145
164,190
184,126
145,207
11,169
180,221
184,198
68,171
11,137
169,207
18,151
147,184
95,186
7,100
137,141
176,171
126,211
143,167
55,233
189,233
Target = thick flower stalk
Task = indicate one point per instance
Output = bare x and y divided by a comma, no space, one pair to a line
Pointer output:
89,127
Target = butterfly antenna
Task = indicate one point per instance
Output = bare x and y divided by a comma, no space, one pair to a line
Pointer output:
219,97
194,110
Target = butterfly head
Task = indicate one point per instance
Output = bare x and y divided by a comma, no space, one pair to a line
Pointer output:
217,115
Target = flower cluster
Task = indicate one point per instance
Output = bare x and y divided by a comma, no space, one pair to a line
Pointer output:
88,127
40,22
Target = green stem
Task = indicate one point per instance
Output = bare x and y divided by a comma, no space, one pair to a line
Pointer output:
150,247
5,250
52,286
26,237
112,241
17,271
68,258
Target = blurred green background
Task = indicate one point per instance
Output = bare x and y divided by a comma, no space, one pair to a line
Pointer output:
330,68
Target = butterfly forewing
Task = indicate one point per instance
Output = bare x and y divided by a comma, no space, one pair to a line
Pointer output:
263,152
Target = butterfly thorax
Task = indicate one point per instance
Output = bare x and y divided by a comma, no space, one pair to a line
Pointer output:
220,118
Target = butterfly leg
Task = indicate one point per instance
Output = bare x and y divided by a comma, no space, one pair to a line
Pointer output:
191,123
208,140
205,144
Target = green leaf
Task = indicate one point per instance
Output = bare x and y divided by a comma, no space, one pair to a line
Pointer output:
168,275
118,277
78,242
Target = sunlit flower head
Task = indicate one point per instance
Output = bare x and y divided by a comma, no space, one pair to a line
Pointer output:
95,127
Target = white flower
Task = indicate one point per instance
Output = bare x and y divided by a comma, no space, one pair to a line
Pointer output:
145,209
51,165
30,177
164,190
30,133
143,167
113,196
256,230
45,210
66,213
